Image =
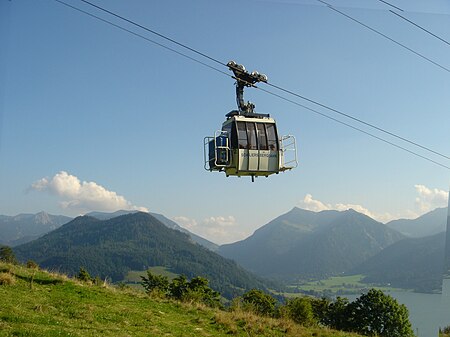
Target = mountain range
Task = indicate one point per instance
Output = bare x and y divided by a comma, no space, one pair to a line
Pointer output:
297,245
305,244
169,223
431,223
21,228
136,241
412,263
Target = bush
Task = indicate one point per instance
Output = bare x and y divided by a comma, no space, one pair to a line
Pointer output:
300,310
199,291
84,276
337,316
32,265
444,332
7,255
178,287
7,279
196,290
259,302
155,283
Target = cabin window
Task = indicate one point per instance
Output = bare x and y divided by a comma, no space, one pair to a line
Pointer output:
262,138
242,135
229,128
272,140
251,130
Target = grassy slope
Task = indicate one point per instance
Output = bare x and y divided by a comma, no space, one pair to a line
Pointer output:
58,306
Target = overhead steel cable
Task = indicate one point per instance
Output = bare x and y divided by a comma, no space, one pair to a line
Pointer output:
154,32
355,128
142,37
359,121
267,91
412,22
384,35
391,5
420,27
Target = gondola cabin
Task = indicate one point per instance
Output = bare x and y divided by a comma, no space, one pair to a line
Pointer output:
249,146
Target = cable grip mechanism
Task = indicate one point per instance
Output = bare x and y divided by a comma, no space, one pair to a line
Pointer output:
244,79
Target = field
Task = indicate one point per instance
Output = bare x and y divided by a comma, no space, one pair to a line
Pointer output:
333,286
39,303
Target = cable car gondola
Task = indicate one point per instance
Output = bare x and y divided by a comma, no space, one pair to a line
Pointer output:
248,143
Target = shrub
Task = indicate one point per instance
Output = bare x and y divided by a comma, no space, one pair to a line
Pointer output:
300,310
7,279
32,265
199,291
7,255
84,276
155,283
258,301
444,332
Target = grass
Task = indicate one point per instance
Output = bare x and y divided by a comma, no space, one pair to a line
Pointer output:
339,285
40,303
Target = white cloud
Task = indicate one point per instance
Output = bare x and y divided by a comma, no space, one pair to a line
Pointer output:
83,196
311,204
427,200
430,199
185,222
218,229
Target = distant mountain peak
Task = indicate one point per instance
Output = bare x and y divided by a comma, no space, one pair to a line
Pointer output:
42,218
302,243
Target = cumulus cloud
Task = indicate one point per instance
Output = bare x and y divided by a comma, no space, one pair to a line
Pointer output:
185,222
311,204
83,196
218,229
429,198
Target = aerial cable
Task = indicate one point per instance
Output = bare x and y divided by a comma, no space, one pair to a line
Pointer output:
354,128
412,22
359,120
384,35
420,27
250,84
142,37
391,5
155,33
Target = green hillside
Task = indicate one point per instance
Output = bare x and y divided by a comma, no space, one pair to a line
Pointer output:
413,263
302,244
111,248
38,303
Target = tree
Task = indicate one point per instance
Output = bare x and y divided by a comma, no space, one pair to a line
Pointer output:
199,290
259,302
178,287
377,314
7,255
337,316
155,282
300,310
320,308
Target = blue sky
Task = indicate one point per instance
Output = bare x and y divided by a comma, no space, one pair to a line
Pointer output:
94,118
